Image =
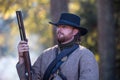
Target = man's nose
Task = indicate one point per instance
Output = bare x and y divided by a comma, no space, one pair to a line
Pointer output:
59,28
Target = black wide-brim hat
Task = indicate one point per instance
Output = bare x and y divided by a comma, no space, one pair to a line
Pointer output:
71,20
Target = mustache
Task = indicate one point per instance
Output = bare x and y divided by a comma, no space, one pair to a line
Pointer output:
59,32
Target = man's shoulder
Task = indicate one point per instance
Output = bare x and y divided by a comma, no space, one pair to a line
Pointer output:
86,55
84,50
53,48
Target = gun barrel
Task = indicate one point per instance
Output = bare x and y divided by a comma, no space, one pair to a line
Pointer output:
23,37
21,25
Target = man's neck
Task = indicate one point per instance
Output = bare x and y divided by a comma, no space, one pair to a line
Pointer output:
66,45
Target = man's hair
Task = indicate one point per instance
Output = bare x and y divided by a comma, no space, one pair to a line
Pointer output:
77,38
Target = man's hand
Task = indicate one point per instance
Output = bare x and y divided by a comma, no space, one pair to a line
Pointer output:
22,48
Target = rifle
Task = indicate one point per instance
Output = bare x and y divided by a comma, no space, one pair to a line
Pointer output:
26,56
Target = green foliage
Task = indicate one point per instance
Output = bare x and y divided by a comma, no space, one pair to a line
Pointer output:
36,18
35,15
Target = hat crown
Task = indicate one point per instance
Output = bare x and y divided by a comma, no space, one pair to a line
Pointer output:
68,17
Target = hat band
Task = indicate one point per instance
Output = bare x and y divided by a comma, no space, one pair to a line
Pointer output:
67,23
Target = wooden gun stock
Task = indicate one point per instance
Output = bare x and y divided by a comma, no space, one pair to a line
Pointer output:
26,54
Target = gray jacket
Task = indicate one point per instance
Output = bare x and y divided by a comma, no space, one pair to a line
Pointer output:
80,65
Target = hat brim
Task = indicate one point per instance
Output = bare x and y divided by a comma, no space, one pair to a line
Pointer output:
83,31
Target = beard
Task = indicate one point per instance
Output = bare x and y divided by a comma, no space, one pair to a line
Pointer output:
62,38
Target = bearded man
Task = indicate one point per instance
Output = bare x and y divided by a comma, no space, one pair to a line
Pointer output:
67,60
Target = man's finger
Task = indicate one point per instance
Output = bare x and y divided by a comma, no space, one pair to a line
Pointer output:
23,42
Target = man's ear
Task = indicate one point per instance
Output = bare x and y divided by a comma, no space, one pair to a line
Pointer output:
75,31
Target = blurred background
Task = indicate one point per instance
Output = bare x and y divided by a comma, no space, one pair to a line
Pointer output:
101,17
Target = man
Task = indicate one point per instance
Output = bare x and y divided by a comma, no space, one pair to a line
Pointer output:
66,61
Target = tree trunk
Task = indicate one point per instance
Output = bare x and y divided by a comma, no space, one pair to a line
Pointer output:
57,7
106,39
